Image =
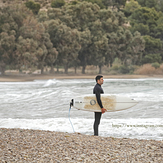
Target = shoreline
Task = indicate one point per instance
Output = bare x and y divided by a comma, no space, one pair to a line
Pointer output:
25,78
24,145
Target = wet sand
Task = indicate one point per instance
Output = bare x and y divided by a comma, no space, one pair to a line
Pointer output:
23,78
24,146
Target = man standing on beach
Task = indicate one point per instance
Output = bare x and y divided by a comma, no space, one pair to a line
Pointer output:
97,91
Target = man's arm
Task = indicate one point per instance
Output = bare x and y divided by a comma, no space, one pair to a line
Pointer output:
98,97
97,91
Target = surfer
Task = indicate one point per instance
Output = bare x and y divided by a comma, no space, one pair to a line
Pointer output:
97,91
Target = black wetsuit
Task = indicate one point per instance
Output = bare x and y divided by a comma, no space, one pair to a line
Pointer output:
97,90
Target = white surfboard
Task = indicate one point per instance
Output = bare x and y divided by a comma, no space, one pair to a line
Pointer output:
110,102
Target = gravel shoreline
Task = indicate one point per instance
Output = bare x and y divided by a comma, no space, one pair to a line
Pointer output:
33,146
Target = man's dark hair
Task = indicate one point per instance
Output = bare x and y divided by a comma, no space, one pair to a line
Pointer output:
98,77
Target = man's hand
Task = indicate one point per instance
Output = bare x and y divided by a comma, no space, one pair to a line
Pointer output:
103,110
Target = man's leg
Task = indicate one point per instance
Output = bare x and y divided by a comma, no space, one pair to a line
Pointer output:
97,122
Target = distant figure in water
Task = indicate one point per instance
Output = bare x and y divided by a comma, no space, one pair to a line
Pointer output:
97,91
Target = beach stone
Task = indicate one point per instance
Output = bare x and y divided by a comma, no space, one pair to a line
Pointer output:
67,158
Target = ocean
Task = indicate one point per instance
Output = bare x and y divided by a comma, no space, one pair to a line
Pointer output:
44,105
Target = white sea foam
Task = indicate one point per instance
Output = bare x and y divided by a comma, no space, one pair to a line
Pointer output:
129,128
50,82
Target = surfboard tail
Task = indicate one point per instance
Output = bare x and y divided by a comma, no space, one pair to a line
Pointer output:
71,103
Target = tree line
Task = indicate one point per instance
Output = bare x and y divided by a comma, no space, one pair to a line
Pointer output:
79,34
146,17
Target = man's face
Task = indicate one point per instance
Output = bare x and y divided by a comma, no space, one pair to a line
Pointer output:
101,81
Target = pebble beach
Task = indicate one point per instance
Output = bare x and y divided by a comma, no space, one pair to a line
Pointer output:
23,145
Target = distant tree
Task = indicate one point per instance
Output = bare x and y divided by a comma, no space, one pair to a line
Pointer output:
66,41
151,58
73,2
114,4
42,16
148,3
7,45
152,45
84,53
138,47
110,23
156,65
98,47
118,3
83,16
121,42
153,50
111,49
25,53
126,46
151,3
145,16
38,45
159,6
52,54
11,20
130,7
103,36
23,41
60,14
142,28
124,39
57,3
158,31
35,7
98,2
148,22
